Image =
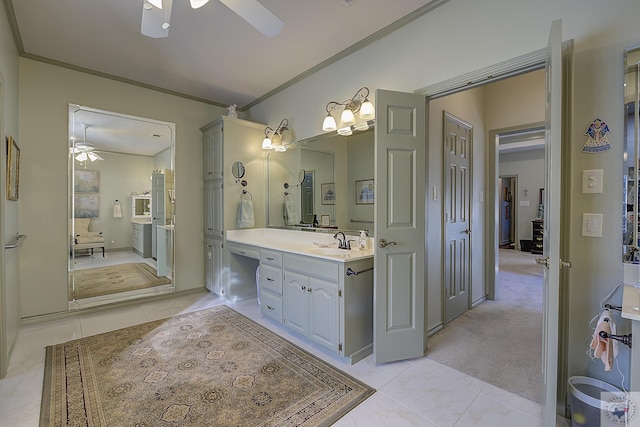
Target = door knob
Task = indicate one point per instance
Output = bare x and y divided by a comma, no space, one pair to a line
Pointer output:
543,261
383,243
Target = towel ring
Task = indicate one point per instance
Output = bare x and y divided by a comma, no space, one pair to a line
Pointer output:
246,192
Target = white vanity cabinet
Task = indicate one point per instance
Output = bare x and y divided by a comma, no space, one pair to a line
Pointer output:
227,140
271,284
213,259
141,238
311,299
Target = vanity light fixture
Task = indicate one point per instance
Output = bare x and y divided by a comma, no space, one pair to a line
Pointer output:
359,103
274,138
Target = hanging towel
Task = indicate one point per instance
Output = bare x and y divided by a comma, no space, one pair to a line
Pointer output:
117,209
605,348
245,214
290,214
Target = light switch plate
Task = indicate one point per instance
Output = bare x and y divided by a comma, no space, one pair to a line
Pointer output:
592,225
592,181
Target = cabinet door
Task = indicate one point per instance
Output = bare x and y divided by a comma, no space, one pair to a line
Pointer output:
213,208
212,152
296,302
324,314
213,265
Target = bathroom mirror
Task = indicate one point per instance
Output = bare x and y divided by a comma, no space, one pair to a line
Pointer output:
121,186
330,165
237,170
631,252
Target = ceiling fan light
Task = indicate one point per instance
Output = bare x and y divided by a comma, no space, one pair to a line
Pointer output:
347,118
82,157
329,123
367,111
93,156
195,4
156,3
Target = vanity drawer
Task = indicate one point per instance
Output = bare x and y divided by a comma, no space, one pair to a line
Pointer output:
244,250
271,306
271,279
273,258
312,266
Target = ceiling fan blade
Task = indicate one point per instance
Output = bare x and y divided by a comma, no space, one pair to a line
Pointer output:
257,15
155,21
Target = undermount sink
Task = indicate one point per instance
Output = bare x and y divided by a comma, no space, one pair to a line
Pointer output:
328,251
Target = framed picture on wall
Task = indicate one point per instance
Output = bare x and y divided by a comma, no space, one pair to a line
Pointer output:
86,206
86,181
327,191
365,192
13,168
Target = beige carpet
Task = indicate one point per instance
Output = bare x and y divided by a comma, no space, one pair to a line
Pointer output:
213,367
500,342
93,282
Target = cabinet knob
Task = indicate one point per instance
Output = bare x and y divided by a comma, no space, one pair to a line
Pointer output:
270,308
270,279
304,288
309,289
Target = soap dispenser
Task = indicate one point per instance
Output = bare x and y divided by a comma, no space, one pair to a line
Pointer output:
362,240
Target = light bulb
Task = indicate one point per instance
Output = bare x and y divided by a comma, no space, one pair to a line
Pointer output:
367,111
195,4
347,118
329,123
266,143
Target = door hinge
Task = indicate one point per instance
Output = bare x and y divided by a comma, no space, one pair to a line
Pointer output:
339,293
340,347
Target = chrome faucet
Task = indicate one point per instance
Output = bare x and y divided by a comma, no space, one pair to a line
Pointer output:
342,243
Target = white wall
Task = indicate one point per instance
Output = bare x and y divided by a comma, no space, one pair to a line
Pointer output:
120,175
528,166
463,36
10,222
45,92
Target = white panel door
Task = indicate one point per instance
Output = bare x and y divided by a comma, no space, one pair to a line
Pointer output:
551,228
457,149
399,274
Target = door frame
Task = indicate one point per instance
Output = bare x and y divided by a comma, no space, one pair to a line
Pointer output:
492,173
516,66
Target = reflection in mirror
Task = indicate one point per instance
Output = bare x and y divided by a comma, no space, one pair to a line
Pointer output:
237,170
325,199
631,253
121,207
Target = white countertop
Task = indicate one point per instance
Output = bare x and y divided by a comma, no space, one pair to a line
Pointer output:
141,220
320,245
631,303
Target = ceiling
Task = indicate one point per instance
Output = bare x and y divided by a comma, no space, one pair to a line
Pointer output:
211,53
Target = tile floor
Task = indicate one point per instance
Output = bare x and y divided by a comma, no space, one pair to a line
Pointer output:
418,392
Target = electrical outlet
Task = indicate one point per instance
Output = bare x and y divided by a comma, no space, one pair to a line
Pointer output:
592,225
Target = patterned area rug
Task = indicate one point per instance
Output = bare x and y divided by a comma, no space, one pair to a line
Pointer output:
212,367
93,282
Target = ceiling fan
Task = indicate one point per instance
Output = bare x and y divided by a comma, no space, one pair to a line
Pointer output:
84,150
156,16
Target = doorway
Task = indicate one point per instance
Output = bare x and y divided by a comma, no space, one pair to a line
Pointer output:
453,342
508,209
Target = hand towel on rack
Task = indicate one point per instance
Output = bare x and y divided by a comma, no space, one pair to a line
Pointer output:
245,214
605,348
117,209
290,214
